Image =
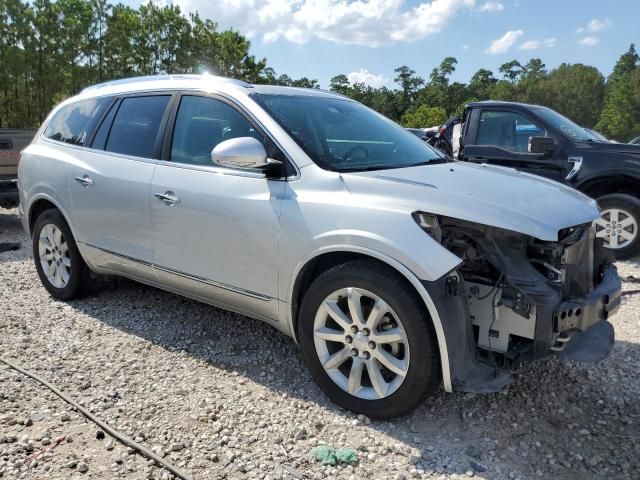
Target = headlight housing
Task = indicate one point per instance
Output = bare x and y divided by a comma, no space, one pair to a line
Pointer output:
429,223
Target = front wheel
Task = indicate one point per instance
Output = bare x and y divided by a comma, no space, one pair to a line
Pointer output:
618,224
367,340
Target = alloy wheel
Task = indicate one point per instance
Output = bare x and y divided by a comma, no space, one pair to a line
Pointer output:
617,227
54,255
361,343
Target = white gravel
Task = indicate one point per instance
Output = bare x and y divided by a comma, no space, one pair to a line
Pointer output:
224,396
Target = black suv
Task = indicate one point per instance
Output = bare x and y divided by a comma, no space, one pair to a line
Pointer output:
539,140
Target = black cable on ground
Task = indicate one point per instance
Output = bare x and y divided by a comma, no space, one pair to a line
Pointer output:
115,434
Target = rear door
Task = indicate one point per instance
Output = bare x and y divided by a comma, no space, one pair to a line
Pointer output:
501,137
110,185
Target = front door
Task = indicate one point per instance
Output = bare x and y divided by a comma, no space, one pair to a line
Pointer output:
215,230
110,186
502,138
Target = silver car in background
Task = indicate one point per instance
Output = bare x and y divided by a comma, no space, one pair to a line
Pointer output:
395,269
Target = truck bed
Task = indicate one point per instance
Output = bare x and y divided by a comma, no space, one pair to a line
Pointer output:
12,141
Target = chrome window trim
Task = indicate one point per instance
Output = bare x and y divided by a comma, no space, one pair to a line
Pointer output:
101,152
216,170
181,92
213,283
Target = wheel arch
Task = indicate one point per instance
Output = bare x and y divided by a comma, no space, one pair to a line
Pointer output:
39,205
330,257
600,186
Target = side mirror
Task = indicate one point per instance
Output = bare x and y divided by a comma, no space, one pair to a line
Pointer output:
543,145
241,152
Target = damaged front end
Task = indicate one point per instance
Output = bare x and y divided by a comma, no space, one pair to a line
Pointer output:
515,298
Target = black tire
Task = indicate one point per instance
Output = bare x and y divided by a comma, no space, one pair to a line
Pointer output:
630,205
424,371
79,274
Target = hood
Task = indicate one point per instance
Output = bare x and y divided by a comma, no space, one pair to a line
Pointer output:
495,196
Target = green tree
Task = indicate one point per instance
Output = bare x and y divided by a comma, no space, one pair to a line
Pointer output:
481,84
409,84
340,84
620,118
576,91
424,116
511,70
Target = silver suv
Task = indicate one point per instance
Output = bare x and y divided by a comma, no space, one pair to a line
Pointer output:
394,268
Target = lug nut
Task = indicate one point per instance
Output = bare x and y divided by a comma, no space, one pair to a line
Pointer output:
348,339
354,329
366,331
372,345
354,352
366,355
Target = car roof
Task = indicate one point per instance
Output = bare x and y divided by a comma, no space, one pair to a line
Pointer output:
502,103
204,82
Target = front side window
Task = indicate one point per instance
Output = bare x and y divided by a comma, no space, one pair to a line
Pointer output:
201,124
342,135
136,124
74,123
568,128
508,130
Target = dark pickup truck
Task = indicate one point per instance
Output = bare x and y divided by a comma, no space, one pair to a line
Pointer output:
12,141
540,141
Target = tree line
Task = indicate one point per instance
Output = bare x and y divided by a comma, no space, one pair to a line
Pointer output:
580,92
50,50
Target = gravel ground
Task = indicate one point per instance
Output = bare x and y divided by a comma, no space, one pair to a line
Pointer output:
224,396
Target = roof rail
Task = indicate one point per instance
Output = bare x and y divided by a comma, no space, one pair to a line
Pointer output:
152,78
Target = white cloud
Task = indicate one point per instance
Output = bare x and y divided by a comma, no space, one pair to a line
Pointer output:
364,76
595,25
491,6
535,44
505,42
465,47
360,22
588,41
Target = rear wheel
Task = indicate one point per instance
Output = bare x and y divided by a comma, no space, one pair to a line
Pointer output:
367,340
618,224
60,266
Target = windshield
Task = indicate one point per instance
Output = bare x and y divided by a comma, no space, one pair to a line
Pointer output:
568,128
343,135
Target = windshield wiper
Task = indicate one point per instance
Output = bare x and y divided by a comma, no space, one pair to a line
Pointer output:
433,161
369,168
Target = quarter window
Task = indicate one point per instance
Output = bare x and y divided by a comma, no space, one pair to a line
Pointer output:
509,130
136,124
74,123
201,124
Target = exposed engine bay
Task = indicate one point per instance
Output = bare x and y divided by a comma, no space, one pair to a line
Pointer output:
515,298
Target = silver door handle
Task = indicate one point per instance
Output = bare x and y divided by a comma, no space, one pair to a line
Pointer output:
85,181
169,198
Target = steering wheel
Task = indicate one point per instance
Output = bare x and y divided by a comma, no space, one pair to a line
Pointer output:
349,154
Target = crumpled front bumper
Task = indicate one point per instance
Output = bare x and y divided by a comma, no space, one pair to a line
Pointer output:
597,305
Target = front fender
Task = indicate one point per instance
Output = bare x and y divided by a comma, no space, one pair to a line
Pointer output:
402,269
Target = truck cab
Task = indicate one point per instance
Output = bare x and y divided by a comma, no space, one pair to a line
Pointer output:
540,141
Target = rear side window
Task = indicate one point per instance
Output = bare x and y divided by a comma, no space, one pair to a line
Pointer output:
135,128
74,123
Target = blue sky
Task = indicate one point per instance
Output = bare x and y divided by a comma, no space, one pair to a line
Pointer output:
369,38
